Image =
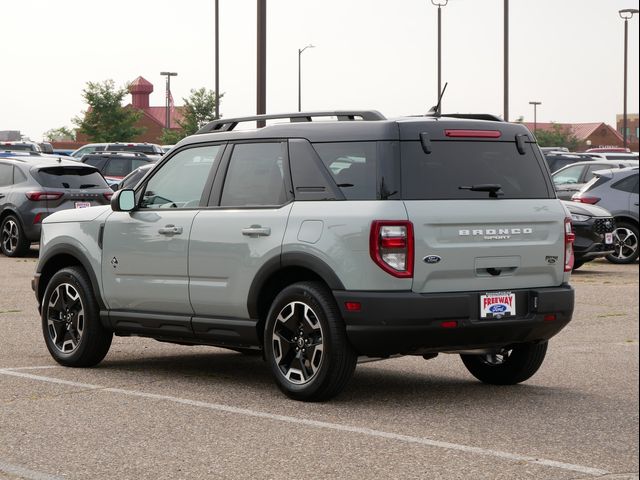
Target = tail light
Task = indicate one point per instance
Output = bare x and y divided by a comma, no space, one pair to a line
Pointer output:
569,237
589,200
38,196
108,195
391,247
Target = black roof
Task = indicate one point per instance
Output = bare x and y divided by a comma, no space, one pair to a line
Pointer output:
355,126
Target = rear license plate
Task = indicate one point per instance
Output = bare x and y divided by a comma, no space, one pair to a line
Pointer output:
608,238
83,204
497,305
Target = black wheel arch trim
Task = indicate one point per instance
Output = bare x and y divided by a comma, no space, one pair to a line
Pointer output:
285,260
77,254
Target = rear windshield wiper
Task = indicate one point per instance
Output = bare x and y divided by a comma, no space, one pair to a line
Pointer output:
494,189
88,185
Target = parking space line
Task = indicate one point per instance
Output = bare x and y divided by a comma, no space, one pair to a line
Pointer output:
319,424
40,367
22,472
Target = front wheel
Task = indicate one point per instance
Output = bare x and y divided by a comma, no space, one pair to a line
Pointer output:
508,366
71,323
306,344
625,243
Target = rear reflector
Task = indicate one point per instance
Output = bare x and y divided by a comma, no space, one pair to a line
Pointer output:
352,306
37,196
449,324
37,219
549,317
473,133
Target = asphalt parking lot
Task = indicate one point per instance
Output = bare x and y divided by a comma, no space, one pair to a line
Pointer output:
154,410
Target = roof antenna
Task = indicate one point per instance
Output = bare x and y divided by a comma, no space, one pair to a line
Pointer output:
436,110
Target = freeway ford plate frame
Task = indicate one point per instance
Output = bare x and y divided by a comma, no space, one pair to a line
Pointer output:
497,305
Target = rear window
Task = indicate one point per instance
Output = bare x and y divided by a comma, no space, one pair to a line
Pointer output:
451,165
70,177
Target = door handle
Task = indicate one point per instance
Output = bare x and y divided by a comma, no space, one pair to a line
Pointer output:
256,231
170,230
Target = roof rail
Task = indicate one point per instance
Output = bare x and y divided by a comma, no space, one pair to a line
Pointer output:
474,116
228,124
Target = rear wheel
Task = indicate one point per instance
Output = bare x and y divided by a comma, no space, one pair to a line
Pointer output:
508,366
306,343
13,241
625,243
70,320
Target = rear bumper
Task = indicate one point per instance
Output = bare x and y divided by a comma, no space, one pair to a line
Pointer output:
406,322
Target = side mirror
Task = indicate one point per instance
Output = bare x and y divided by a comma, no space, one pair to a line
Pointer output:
123,200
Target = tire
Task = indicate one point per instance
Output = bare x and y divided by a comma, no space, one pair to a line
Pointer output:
304,316
71,323
625,238
512,366
13,241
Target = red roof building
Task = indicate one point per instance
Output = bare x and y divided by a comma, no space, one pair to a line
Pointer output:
590,135
152,119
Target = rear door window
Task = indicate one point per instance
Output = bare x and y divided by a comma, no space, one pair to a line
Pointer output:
117,167
97,162
70,178
451,165
568,176
255,176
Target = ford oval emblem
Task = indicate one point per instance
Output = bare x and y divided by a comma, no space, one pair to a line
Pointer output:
431,259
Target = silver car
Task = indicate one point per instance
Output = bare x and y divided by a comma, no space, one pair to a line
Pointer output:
617,191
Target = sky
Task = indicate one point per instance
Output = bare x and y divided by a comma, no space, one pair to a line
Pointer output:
369,54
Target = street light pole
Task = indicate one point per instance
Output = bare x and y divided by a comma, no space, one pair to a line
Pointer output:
167,118
300,50
506,61
217,61
261,88
535,115
439,4
625,14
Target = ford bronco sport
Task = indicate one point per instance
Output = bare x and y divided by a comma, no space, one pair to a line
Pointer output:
318,242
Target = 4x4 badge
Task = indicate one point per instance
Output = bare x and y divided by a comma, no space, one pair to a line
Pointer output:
431,259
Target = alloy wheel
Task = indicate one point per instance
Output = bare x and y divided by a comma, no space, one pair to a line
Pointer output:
10,236
297,343
625,243
65,318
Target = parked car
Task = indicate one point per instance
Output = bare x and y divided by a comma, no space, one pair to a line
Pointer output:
614,156
617,191
87,149
593,227
317,242
20,146
608,150
131,180
32,188
558,160
571,179
116,165
149,149
546,150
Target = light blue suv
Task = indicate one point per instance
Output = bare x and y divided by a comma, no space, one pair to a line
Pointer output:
319,242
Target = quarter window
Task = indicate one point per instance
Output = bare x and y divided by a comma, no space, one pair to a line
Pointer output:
255,176
179,183
353,167
629,184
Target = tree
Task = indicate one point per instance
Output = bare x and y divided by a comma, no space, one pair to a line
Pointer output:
60,134
557,136
107,120
199,109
